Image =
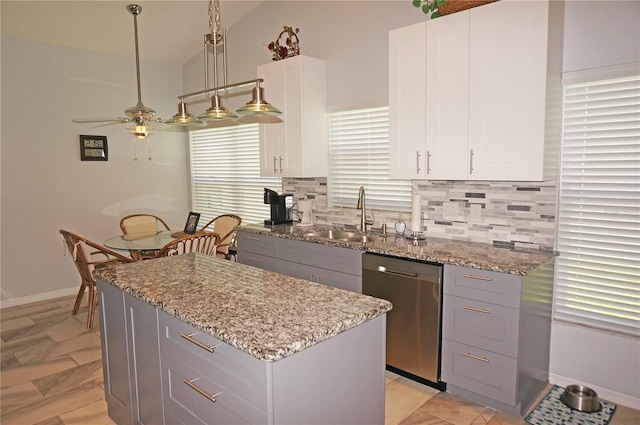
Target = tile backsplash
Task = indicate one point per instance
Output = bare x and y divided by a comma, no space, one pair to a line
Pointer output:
511,214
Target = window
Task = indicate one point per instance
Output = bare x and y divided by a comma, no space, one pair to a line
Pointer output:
225,173
598,271
359,156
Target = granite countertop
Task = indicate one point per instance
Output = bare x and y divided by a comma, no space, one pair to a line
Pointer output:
446,251
267,315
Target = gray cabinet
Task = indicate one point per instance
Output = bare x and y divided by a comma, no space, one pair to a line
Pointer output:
161,370
257,250
496,332
131,363
330,265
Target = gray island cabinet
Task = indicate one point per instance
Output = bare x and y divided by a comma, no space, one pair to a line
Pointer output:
193,339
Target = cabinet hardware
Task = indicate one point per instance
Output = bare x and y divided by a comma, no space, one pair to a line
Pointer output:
211,397
253,238
473,356
417,162
471,161
280,165
189,337
383,269
275,168
473,276
428,162
257,260
476,309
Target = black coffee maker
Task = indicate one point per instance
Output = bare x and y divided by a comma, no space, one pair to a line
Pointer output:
281,207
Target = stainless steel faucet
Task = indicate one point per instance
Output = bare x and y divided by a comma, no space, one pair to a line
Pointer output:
361,206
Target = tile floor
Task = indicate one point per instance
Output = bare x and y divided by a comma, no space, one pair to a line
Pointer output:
51,374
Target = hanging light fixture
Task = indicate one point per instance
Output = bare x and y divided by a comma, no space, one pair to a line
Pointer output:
257,110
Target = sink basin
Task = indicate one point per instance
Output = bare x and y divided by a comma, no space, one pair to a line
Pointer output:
340,235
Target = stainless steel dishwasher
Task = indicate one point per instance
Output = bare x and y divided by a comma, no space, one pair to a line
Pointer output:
414,323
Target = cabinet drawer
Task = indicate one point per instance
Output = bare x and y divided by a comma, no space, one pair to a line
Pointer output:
345,281
233,369
185,404
483,372
492,287
258,260
343,260
483,325
257,243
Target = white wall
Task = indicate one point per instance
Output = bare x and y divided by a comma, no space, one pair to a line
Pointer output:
45,186
598,34
352,38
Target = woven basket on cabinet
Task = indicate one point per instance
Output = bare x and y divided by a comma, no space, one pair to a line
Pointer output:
452,6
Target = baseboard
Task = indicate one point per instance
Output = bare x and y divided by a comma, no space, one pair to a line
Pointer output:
603,393
38,297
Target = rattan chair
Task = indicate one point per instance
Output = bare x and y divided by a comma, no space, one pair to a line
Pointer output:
225,225
142,224
82,253
203,243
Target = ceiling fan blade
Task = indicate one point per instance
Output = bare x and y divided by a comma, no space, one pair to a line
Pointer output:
110,123
94,120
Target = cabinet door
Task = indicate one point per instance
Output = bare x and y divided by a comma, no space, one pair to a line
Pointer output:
447,99
296,147
115,355
407,115
144,362
273,136
507,90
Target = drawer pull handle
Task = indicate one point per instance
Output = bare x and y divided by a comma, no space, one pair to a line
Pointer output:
476,309
190,338
473,276
200,390
473,356
257,260
253,238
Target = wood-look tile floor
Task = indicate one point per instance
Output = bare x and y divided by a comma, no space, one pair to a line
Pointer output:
51,374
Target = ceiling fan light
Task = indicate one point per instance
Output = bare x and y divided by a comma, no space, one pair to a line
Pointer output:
217,111
259,105
140,131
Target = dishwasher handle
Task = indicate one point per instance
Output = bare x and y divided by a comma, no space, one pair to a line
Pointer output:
383,269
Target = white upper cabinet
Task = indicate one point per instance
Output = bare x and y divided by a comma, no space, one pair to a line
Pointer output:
490,95
297,147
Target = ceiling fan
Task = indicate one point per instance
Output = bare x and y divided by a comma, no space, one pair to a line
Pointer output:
139,115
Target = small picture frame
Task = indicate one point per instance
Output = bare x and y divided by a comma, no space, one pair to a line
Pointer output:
93,148
192,223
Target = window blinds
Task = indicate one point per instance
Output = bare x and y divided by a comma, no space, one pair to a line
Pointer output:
225,173
359,156
598,271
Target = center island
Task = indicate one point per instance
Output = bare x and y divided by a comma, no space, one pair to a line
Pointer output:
195,339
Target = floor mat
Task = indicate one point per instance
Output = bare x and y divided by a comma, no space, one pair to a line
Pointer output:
552,411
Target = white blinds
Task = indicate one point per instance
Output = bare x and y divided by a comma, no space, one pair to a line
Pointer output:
359,156
598,271
225,173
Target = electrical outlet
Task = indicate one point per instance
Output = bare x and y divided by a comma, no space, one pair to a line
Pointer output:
450,210
476,212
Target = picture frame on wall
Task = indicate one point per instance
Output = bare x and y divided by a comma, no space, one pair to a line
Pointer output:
93,148
192,223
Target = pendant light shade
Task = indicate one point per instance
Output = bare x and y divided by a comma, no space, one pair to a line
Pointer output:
184,118
258,105
217,112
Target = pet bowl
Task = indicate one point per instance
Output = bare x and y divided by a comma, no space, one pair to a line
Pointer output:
581,398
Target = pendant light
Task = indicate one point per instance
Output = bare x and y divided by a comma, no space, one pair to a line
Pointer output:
257,110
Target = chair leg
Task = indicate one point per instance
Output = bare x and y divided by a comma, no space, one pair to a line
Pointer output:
76,306
93,302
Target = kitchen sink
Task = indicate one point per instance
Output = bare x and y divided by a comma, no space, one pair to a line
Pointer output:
341,235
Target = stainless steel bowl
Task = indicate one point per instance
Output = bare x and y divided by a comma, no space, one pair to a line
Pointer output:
581,398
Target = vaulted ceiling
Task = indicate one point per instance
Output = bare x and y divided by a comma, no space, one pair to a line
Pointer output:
169,31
